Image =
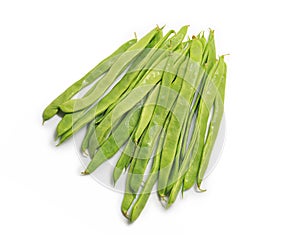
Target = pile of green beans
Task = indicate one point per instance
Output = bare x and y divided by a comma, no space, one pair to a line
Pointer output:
160,100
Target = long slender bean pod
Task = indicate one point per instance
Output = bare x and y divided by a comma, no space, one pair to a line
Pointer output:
143,197
147,112
124,160
144,86
195,150
213,129
116,69
152,133
179,114
206,104
115,141
125,85
89,78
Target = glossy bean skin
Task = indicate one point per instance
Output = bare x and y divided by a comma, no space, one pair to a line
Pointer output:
195,150
116,69
115,141
190,176
213,129
168,77
209,55
196,99
121,89
144,195
129,196
191,173
180,112
173,177
150,79
89,132
89,78
147,112
187,127
161,112
135,95
206,104
164,100
152,59
124,160
69,119
146,84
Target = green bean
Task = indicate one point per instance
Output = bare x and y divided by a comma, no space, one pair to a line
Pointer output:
195,150
144,86
188,179
132,79
190,176
69,118
179,114
135,95
143,197
124,159
116,69
213,129
129,196
189,167
116,140
176,163
89,78
206,103
209,55
147,112
163,102
89,132
196,99
134,74
152,133
188,125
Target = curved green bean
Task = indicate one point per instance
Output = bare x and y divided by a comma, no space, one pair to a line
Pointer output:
124,159
206,103
213,129
146,113
196,145
115,141
116,69
144,86
179,114
125,85
69,119
143,197
89,132
151,135
89,78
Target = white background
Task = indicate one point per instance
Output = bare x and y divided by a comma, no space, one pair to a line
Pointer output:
253,194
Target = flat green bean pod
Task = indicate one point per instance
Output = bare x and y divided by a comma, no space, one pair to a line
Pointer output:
196,146
213,129
89,78
206,104
115,141
151,135
147,112
123,87
143,197
180,112
124,159
159,102
145,85
116,69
